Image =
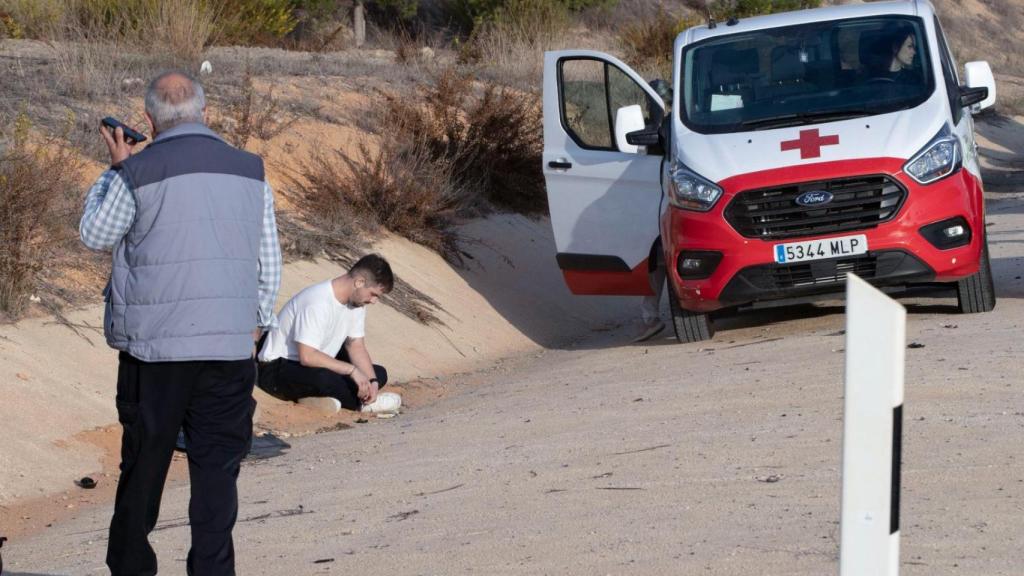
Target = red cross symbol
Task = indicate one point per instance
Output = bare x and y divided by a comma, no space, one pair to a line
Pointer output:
809,143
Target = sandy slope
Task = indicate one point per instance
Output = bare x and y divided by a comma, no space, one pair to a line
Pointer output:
58,384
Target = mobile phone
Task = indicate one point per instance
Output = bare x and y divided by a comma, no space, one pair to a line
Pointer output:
129,134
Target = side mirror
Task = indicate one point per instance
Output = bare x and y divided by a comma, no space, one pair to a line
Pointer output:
646,137
972,97
628,120
978,75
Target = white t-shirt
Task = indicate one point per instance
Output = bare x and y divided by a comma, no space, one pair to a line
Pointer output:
315,318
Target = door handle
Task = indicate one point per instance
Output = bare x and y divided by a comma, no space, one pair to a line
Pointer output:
560,164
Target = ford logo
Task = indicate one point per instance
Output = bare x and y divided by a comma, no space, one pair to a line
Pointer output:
814,198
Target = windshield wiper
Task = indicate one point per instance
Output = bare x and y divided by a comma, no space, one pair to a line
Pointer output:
784,120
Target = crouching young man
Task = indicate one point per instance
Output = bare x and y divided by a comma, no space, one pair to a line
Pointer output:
318,348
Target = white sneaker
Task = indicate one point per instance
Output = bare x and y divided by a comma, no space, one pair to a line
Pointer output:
386,403
649,330
325,404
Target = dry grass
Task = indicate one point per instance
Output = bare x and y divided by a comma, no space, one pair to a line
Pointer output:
37,204
100,53
510,49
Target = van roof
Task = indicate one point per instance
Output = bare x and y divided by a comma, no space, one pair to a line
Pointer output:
921,8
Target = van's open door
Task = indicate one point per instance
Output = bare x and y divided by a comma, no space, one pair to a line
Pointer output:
604,195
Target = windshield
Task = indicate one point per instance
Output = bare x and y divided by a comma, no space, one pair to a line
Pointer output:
805,74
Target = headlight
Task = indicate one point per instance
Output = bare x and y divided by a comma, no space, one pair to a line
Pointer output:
938,159
689,191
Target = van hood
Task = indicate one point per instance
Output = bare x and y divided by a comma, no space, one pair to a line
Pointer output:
895,135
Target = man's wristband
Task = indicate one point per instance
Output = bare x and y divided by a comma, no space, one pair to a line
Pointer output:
374,380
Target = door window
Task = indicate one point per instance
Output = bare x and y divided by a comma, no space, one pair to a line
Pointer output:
592,93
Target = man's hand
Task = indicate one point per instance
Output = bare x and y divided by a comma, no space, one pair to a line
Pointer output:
119,148
256,341
367,390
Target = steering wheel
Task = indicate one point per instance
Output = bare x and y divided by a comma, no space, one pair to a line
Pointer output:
880,80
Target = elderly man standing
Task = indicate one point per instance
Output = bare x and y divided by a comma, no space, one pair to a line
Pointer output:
196,269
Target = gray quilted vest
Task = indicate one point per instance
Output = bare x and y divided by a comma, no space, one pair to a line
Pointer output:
183,285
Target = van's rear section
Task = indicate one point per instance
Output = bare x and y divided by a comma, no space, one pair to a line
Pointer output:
794,149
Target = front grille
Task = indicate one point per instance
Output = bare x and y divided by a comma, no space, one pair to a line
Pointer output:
857,204
818,272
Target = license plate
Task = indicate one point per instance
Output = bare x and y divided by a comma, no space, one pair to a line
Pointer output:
821,249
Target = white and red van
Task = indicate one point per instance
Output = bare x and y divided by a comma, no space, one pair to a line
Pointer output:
794,148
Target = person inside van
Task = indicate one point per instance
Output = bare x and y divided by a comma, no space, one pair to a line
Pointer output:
894,56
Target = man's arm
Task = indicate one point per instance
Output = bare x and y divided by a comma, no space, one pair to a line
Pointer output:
268,265
108,214
360,356
109,206
313,358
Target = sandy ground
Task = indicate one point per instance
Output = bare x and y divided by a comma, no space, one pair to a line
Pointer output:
58,415
600,457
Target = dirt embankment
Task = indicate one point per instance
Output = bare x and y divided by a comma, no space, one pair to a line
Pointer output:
57,416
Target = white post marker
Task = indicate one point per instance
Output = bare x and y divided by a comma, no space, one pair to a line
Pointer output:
872,432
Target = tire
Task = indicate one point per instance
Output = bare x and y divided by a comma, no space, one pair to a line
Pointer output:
689,326
977,293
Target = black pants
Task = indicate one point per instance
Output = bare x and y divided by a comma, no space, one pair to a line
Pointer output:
212,401
289,380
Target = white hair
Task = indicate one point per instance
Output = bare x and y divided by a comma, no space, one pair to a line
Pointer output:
172,104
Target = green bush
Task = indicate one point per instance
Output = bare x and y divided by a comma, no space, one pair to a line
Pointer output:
247,22
400,9
469,14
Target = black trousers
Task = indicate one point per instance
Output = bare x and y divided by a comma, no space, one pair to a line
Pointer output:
212,401
289,380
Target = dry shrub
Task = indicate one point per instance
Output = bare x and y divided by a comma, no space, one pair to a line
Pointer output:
511,47
252,113
36,206
398,186
648,41
493,142
506,130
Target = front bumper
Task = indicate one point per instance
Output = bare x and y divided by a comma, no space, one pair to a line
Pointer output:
777,281
898,251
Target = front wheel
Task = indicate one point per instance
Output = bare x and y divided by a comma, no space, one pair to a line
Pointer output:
689,326
977,293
